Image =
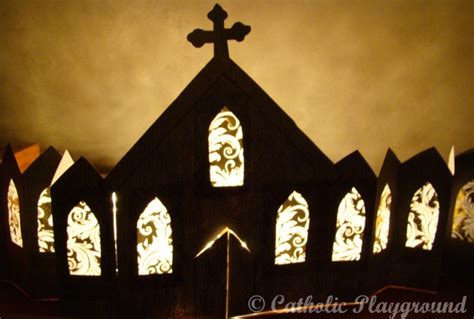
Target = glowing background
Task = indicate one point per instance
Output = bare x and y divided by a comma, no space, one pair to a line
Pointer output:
352,74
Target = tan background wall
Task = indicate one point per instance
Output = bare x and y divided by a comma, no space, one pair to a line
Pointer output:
92,76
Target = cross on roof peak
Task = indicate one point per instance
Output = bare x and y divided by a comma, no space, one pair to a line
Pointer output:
220,35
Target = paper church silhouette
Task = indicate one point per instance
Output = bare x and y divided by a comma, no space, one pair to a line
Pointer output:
224,197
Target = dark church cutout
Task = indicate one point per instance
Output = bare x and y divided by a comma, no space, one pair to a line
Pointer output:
354,192
384,229
424,184
224,198
83,232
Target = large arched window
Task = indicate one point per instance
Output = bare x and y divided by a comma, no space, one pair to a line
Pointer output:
14,220
226,150
423,218
463,219
45,223
154,240
292,226
83,243
382,222
350,227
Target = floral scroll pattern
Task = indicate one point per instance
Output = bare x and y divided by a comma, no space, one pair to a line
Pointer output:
292,226
45,223
423,218
463,219
226,151
14,220
83,244
382,223
350,227
154,240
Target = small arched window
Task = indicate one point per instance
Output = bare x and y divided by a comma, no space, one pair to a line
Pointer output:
45,223
463,219
83,243
350,227
292,226
423,218
382,222
226,150
14,220
154,240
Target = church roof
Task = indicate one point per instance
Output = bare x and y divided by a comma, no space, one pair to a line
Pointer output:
216,71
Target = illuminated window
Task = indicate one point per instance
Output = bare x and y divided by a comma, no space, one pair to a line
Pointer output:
463,219
14,214
350,227
292,226
83,244
423,218
114,220
382,223
154,241
45,223
226,151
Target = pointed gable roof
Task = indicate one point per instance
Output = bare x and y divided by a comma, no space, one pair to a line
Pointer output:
216,71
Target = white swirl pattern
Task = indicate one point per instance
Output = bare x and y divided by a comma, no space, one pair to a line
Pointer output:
463,219
350,227
83,244
45,223
292,226
154,240
226,151
423,218
382,222
14,220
